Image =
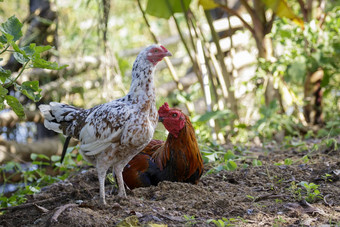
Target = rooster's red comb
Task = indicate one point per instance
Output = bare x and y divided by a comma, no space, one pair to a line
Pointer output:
164,109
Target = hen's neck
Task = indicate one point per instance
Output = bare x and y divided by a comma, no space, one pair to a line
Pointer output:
142,87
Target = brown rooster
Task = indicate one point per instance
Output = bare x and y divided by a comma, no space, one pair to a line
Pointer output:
176,159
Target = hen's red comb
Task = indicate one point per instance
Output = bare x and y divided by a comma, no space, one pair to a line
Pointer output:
166,50
164,109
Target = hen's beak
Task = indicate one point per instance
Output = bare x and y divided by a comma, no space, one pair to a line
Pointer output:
160,119
168,53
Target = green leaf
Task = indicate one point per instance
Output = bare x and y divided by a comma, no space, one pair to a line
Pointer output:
231,165
4,74
229,155
20,58
220,114
40,49
44,157
41,63
31,90
159,8
288,161
12,27
257,162
34,156
3,91
29,51
15,105
55,158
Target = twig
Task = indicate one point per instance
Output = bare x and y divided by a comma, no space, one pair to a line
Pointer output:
60,210
326,202
41,209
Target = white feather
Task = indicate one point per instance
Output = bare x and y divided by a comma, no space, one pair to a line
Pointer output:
45,110
52,126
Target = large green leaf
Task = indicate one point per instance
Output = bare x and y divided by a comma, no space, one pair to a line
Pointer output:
31,90
160,8
12,27
15,105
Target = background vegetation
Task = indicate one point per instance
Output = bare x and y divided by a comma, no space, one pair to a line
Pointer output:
247,72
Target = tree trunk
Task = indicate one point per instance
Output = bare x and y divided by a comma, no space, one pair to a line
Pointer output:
20,152
313,97
12,151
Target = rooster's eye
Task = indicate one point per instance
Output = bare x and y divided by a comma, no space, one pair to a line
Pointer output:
174,115
156,51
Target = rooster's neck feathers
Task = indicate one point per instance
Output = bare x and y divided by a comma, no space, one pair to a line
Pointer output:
184,145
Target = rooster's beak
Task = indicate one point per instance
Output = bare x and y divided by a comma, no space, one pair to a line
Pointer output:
160,119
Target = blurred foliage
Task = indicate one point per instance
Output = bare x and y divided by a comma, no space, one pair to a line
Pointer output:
29,56
35,175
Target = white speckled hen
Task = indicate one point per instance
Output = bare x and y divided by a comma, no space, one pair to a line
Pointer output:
111,134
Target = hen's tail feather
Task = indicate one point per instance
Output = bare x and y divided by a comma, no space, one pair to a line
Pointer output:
56,113
67,141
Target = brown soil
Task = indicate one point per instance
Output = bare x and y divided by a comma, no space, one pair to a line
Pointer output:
253,196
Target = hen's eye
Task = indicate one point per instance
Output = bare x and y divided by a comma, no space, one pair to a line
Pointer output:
156,51
174,115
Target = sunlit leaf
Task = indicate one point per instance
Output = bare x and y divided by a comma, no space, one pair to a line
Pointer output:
281,8
34,156
15,105
160,8
40,49
55,158
207,4
31,90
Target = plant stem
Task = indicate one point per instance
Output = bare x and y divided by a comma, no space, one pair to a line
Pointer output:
16,78
4,49
226,74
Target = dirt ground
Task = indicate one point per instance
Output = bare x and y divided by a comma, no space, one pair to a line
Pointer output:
267,195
